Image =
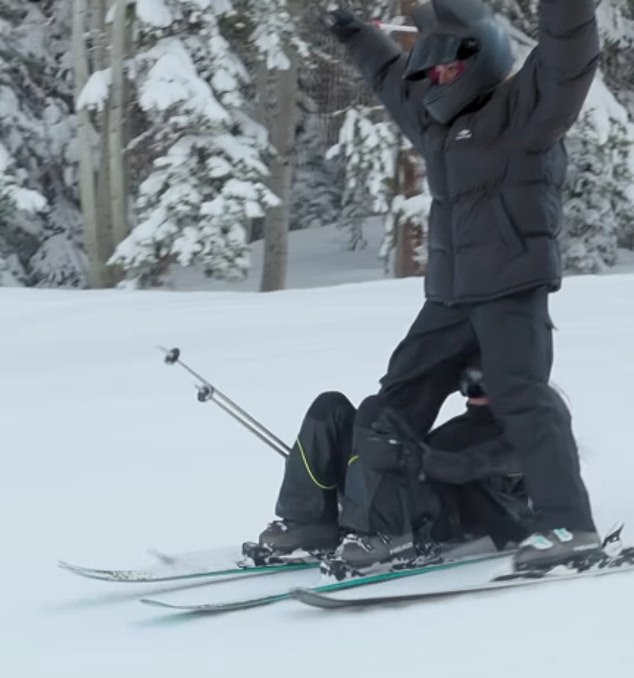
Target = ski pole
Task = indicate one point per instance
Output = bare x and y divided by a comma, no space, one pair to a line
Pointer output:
207,391
394,28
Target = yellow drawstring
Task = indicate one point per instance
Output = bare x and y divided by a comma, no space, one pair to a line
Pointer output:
310,473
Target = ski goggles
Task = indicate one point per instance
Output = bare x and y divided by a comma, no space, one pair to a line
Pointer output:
435,50
433,73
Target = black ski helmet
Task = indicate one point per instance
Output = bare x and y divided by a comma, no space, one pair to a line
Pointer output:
471,382
458,30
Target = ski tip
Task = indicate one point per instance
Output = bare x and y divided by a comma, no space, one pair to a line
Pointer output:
164,605
82,571
92,573
317,599
204,608
302,594
64,565
152,602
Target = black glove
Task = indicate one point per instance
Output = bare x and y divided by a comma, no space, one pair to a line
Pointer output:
342,23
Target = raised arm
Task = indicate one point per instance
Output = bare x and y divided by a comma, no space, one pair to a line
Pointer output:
554,82
381,63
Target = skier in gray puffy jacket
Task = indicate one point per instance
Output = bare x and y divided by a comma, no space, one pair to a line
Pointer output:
493,145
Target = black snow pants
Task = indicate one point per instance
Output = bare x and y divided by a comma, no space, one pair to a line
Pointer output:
323,470
513,336
315,474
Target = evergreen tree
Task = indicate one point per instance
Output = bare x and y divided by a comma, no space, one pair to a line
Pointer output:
369,148
196,155
616,20
40,230
316,191
324,187
597,207
204,167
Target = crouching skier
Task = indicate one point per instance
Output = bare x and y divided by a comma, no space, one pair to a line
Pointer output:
461,487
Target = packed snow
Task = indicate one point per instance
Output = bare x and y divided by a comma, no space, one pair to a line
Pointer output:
107,454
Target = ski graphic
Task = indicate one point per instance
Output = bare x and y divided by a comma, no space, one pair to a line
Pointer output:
217,563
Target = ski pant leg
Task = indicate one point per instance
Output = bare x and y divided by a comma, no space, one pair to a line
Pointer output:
423,370
425,366
498,507
515,337
315,470
375,500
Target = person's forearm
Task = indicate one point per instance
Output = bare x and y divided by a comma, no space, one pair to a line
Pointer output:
375,56
494,457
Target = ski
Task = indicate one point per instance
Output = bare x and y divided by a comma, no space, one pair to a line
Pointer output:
363,580
612,555
623,562
249,560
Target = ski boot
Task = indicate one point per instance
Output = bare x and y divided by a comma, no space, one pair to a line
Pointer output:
546,550
284,541
360,554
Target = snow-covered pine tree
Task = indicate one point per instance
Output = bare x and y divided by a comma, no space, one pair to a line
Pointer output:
39,246
621,141
616,20
202,152
275,51
316,191
326,88
369,144
366,153
329,88
597,206
15,201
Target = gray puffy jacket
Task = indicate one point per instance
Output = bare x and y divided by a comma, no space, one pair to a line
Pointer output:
496,172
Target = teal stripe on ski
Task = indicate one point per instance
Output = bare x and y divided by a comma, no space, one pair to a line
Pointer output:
210,608
401,574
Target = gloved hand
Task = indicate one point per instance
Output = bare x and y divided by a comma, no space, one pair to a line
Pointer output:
342,23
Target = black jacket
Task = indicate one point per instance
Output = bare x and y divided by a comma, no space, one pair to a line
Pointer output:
496,172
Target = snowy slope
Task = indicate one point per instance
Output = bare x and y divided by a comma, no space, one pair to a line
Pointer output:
106,453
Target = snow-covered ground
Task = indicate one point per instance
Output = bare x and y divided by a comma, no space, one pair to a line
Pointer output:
107,453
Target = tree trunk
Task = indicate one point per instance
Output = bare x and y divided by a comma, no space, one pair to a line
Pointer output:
98,275
116,123
282,118
100,39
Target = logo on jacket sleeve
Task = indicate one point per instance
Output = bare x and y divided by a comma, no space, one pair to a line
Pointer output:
464,134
